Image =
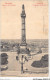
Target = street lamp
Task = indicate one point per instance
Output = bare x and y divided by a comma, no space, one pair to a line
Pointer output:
22,58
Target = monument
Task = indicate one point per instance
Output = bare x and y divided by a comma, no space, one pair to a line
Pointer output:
23,16
23,45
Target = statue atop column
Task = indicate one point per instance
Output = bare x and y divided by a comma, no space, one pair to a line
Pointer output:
23,16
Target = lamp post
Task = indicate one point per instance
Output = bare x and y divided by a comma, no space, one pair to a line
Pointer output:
22,59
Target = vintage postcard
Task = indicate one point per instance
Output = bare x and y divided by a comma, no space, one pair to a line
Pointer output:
24,38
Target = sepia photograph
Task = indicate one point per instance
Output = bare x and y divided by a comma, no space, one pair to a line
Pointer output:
24,38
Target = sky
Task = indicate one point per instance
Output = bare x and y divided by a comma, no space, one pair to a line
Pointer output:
36,19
